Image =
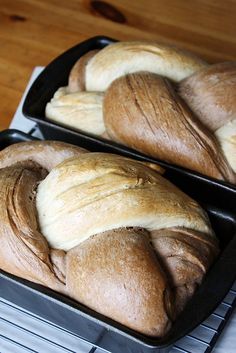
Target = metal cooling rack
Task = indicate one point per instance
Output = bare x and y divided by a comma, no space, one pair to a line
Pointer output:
23,332
204,337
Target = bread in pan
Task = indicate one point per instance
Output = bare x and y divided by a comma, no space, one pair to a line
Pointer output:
105,230
158,100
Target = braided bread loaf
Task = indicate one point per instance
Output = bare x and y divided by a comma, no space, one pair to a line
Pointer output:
158,100
107,231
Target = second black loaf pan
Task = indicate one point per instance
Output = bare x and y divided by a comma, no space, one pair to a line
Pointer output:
220,203
55,75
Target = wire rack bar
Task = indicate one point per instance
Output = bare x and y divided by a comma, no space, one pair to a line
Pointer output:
203,344
17,344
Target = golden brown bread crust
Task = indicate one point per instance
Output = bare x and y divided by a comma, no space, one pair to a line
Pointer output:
117,273
98,71
140,280
211,94
95,185
80,110
23,249
153,119
226,136
76,80
185,254
47,154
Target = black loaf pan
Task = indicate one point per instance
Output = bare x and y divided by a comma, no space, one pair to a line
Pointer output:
220,203
56,75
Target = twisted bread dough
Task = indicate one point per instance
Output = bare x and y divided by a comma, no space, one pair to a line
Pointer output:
24,251
46,154
211,94
83,109
99,68
161,125
112,234
142,107
113,192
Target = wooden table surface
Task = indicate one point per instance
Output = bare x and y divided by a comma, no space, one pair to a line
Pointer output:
33,32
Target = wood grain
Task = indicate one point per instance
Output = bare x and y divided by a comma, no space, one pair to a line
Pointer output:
33,32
